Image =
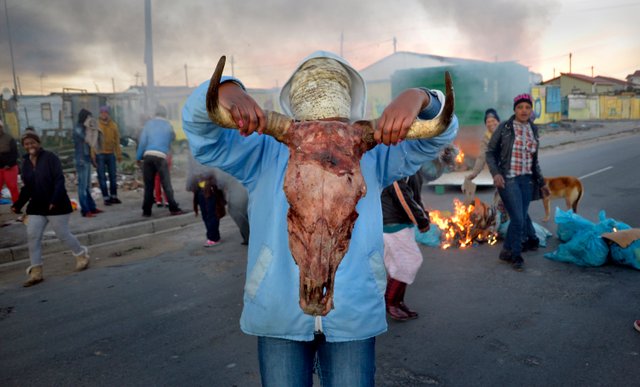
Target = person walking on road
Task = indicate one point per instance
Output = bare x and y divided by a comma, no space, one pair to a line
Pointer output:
232,192
153,148
157,186
8,163
85,136
512,157
45,191
106,157
401,210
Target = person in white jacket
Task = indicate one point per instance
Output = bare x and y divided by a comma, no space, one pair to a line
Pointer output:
289,341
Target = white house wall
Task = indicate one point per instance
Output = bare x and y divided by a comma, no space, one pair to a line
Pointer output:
30,112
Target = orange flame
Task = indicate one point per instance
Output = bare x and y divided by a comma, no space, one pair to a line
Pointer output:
467,224
460,158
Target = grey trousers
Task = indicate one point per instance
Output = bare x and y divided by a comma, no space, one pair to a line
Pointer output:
237,200
60,224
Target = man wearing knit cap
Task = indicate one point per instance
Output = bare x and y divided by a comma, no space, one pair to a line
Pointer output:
107,155
8,163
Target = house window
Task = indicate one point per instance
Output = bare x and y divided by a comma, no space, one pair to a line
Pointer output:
66,109
45,108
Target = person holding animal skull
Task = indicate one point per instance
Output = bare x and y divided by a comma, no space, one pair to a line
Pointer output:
302,325
512,157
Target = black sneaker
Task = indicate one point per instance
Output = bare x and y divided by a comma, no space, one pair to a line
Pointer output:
107,202
531,244
505,256
517,263
115,201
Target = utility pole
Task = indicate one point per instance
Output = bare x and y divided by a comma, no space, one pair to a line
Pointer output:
395,44
570,62
186,76
148,53
232,67
13,66
591,71
342,44
113,84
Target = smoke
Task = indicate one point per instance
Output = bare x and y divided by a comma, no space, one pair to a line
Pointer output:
494,29
81,43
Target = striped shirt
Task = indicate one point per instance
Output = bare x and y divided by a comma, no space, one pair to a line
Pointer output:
524,146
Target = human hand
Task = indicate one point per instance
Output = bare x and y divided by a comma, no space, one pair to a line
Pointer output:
119,158
448,156
425,229
498,181
245,111
394,123
466,184
14,210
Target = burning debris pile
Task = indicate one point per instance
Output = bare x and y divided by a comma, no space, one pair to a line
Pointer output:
471,223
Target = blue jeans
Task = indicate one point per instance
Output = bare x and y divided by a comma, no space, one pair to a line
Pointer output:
291,363
83,169
208,211
516,196
107,164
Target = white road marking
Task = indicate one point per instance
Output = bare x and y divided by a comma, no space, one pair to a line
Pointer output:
594,173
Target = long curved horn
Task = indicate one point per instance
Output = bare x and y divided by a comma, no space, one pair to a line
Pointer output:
433,128
421,128
277,124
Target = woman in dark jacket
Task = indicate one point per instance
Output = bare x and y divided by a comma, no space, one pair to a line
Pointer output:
512,157
46,194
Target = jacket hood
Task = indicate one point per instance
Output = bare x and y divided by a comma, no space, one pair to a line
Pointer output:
358,87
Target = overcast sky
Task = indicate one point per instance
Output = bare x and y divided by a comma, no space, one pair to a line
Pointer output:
96,45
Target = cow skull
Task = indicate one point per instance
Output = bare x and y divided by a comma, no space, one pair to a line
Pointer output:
323,182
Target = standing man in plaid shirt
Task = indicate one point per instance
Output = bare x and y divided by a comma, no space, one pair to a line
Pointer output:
512,157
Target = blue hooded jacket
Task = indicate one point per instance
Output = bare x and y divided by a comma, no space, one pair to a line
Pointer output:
271,289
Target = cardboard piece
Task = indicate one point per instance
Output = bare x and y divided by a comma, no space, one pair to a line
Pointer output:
624,237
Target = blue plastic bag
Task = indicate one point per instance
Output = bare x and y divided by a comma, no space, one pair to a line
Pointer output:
541,232
429,238
608,224
570,224
629,256
586,248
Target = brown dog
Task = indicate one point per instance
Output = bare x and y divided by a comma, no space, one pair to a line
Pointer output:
567,187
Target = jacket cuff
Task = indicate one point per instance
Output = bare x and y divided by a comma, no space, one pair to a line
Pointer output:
435,106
